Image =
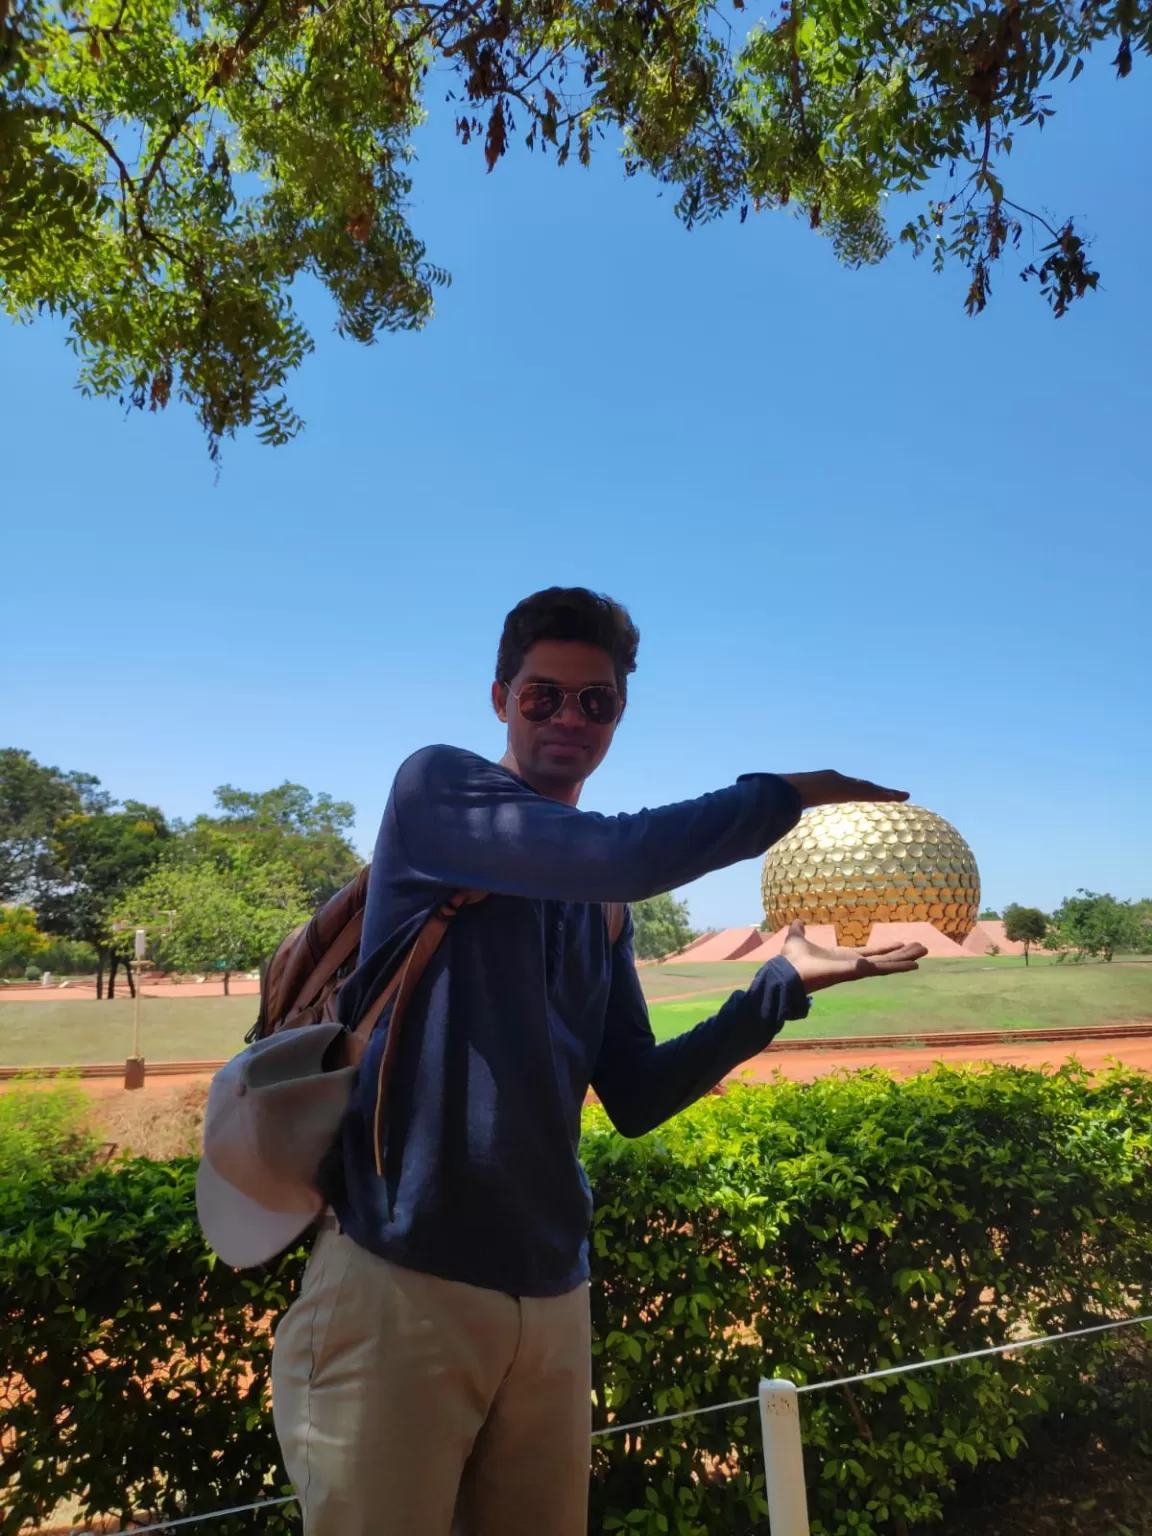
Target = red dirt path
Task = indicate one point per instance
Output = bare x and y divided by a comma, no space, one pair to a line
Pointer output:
805,1066
78,991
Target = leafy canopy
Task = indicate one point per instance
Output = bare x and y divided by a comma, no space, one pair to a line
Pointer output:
96,857
33,797
288,824
20,939
661,926
1024,925
1093,924
211,915
168,168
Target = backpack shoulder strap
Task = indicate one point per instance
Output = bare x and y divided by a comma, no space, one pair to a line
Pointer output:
400,989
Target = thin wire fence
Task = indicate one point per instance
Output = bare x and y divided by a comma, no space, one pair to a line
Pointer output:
215,1514
895,1370
1012,1347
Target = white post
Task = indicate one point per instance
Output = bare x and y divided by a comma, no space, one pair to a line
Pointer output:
783,1459
134,1066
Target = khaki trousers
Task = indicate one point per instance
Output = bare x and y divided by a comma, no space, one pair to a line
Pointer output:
411,1406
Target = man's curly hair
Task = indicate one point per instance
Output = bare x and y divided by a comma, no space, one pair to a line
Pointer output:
568,613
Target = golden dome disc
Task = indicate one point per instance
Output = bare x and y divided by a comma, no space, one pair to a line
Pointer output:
858,864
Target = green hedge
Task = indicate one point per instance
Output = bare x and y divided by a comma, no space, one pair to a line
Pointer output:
810,1232
817,1232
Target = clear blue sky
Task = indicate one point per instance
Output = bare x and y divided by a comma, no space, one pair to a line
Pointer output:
856,528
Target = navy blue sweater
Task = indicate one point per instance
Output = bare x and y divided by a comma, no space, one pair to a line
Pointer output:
525,1005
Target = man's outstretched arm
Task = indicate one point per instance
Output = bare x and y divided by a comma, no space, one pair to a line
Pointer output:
641,1083
470,824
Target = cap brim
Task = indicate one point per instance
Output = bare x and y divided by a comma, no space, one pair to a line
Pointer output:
238,1230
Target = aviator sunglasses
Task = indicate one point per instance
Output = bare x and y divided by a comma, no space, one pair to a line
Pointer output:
538,702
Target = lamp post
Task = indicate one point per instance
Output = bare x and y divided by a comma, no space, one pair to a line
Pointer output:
134,1066
159,924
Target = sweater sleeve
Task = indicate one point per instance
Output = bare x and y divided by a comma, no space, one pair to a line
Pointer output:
470,824
641,1084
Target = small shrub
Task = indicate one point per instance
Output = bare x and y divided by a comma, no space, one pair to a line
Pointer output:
32,973
993,949
45,1131
68,957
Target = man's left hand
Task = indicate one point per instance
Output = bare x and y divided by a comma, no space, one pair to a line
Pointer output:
818,967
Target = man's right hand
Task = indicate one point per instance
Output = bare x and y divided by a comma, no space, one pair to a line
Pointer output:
831,788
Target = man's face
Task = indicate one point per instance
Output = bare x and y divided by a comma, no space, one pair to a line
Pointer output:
565,749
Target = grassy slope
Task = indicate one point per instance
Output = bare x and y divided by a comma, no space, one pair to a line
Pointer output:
944,994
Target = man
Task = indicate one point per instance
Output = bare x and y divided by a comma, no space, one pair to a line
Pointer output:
434,1374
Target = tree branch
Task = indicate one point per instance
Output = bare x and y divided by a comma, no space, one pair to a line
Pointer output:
1028,214
80,30
105,144
245,41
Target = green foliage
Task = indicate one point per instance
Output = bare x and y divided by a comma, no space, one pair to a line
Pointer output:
45,1133
1024,925
661,927
138,1367
33,798
168,170
816,1232
251,872
809,1232
20,939
226,915
989,915
68,957
66,847
1093,924
284,825
97,856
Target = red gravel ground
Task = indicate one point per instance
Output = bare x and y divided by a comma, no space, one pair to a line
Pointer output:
805,1066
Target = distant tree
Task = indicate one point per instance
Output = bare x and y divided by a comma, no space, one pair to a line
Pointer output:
212,916
989,915
1024,925
33,798
287,824
1093,924
1142,912
94,857
662,927
21,941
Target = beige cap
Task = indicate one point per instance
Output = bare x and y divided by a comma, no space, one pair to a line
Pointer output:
273,1114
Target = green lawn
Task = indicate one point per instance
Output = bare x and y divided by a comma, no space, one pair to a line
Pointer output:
984,993
172,1029
943,995
681,976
